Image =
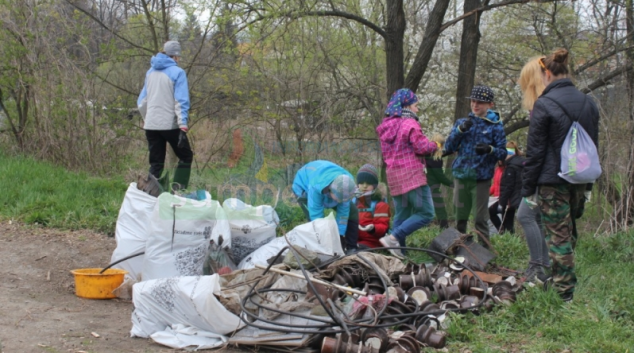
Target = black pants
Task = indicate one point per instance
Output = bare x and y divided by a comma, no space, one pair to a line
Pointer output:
157,144
352,230
505,225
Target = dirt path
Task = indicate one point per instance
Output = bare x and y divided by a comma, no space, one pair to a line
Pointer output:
39,311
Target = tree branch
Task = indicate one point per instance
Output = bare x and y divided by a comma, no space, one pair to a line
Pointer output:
432,32
331,13
6,112
150,23
605,80
600,59
106,27
486,8
516,126
114,85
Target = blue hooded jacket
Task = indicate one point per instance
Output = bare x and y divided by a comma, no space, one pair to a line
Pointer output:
311,179
164,99
468,164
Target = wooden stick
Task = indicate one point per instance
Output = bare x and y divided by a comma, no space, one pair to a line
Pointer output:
315,280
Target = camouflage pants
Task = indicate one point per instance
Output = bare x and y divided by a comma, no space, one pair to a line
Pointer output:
559,205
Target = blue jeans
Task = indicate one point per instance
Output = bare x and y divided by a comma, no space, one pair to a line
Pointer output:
414,210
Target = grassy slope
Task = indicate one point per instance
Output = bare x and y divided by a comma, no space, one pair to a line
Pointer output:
36,192
600,319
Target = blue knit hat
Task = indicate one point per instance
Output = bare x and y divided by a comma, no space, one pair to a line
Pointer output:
402,98
368,174
343,188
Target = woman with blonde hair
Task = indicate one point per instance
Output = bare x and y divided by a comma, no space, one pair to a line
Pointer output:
531,83
553,114
529,218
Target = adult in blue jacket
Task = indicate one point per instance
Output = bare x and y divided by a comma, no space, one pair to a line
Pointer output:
164,106
322,184
480,142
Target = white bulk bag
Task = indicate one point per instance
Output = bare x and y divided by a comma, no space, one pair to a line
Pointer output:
179,236
131,230
189,338
189,301
320,235
251,227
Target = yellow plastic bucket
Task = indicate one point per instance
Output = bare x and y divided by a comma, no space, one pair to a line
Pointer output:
89,283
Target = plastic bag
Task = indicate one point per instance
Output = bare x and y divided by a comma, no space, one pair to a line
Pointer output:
320,236
190,301
579,157
132,230
251,227
220,260
180,233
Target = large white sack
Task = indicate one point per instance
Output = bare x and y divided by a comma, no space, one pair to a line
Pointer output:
179,236
320,235
186,337
189,301
251,226
131,230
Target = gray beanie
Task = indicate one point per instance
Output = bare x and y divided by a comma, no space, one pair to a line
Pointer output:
172,48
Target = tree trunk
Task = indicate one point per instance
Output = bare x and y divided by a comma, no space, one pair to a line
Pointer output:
468,57
395,71
395,30
627,199
432,32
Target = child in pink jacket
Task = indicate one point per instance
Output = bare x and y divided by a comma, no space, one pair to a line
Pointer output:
403,145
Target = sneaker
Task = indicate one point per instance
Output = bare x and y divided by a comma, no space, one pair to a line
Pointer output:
351,251
545,280
532,272
388,242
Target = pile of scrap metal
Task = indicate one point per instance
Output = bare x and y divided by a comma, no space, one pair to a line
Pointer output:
366,302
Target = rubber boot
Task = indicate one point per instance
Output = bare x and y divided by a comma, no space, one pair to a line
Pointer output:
461,226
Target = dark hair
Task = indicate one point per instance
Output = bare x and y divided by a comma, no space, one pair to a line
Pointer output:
557,62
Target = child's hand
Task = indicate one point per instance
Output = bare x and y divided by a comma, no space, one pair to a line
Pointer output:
368,228
466,125
440,142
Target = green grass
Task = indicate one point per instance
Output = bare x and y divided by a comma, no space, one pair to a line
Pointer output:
599,319
39,193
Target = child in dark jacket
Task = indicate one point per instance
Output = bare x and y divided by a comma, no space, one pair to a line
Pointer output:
510,188
374,212
435,178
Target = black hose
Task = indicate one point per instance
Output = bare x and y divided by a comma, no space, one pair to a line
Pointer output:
125,258
327,326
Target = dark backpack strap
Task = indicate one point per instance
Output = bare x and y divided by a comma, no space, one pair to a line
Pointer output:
568,115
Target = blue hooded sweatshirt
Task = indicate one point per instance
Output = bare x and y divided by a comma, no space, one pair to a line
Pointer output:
164,99
311,180
488,130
